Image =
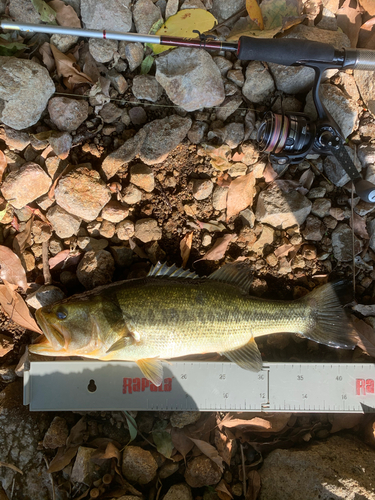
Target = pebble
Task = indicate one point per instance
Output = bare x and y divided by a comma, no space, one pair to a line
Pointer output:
101,50
142,176
64,42
61,142
179,491
190,78
147,230
314,229
68,114
110,112
113,15
180,419
237,170
40,231
56,434
271,260
138,465
131,195
342,243
44,296
133,53
222,9
317,192
197,132
95,269
137,115
63,223
236,76
201,471
146,87
114,211
309,252
107,229
168,468
206,240
234,134
321,207
228,107
259,84
266,238
92,244
23,11
15,139
223,64
365,83
202,188
145,15
123,257
83,467
330,222
125,229
117,80
8,374
25,185
82,193
24,85
125,153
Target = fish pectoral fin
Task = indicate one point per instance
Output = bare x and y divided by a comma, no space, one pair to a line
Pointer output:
121,343
247,357
152,369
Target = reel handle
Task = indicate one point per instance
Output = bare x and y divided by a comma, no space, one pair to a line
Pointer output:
365,190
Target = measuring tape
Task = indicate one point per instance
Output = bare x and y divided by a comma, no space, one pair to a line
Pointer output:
204,386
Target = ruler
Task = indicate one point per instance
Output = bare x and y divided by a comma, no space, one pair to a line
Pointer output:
204,386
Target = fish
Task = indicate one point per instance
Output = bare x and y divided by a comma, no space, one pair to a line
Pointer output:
173,312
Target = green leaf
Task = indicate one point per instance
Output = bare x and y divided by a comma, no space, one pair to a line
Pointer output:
162,438
8,47
47,14
146,64
132,425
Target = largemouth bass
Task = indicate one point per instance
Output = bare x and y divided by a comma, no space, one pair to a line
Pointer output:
173,313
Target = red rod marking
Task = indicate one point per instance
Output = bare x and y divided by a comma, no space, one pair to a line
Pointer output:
104,34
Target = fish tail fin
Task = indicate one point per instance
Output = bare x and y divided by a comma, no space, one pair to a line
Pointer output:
331,325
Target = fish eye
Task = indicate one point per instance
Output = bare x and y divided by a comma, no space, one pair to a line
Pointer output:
61,313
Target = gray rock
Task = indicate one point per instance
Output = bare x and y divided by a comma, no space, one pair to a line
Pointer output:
334,171
371,232
197,132
24,85
190,78
314,229
162,136
223,64
131,195
137,115
68,114
366,86
125,229
64,42
14,139
366,154
259,84
317,192
96,269
193,4
180,419
112,15
61,142
234,134
167,469
228,107
321,207
114,212
343,109
331,472
82,193
133,53
171,8
146,87
113,162
280,209
44,296
236,76
138,465
92,244
342,243
24,11
202,188
101,50
145,14
201,471
83,467
117,80
56,434
147,230
142,176
222,9
63,223
110,112
296,79
179,492
123,255
25,185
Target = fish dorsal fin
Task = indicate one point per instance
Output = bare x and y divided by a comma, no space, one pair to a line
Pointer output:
235,274
170,271
247,357
152,369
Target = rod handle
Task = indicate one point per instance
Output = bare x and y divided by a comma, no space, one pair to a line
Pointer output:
365,190
363,59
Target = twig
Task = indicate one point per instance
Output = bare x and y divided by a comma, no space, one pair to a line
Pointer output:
52,482
46,271
230,19
353,238
243,471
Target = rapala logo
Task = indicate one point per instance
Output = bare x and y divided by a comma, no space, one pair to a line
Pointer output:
364,386
138,384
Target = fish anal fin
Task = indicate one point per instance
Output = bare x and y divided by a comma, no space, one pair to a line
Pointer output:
152,369
247,357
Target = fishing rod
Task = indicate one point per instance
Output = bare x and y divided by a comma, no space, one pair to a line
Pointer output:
287,137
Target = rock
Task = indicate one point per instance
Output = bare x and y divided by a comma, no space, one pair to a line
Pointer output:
64,42
289,103
25,185
125,229
179,492
162,136
371,232
201,471
146,87
343,109
117,80
314,229
321,207
145,14
180,419
24,11
107,229
234,134
83,467
197,132
228,107
68,114
114,212
124,154
309,252
138,465
137,115
282,210
96,269
110,112
113,15
147,230
123,256
63,223
44,296
133,53
171,8
193,4
222,9
190,78
82,193
57,434
237,170
297,79
14,139
143,177
366,155
101,50
266,238
92,244
334,171
259,84
331,472
61,142
366,86
317,192
236,76
167,469
219,198
40,231
342,243
24,85
202,188
223,64
131,195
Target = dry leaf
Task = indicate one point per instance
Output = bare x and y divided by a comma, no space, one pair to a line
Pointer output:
11,268
342,421
23,240
359,225
269,173
185,247
181,441
366,37
219,156
222,491
3,164
350,21
77,433
46,53
283,250
365,310
6,344
67,67
253,487
106,452
14,305
211,226
255,13
366,335
65,14
218,250
62,458
210,452
240,194
273,422
11,466
224,446
224,180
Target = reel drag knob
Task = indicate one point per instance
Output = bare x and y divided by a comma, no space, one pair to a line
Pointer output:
365,190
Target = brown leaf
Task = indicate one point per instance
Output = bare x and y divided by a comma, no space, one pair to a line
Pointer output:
222,490
62,458
104,453
11,268
6,344
273,422
224,180
240,194
283,250
366,336
342,421
65,14
210,452
220,156
253,487
11,466
14,305
64,259
366,37
77,433
46,53
3,164
350,21
219,248
224,446
359,225
23,240
185,247
181,441
67,67
269,173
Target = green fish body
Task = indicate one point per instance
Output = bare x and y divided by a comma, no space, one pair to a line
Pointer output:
173,313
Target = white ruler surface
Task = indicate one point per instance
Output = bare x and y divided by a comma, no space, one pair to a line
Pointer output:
205,386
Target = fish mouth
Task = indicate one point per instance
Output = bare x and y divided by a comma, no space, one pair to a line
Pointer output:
53,340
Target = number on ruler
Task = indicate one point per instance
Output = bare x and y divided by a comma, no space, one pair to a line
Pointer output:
184,376
299,377
339,377
222,376
262,395
304,396
344,396
225,395
261,376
